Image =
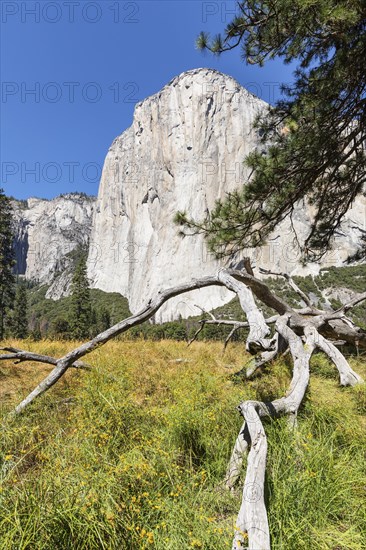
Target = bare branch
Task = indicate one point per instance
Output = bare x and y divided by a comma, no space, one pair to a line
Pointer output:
262,291
205,312
232,322
349,305
229,278
259,362
65,362
230,335
348,377
196,333
21,356
252,517
291,283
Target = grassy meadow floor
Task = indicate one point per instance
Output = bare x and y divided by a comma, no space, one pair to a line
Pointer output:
131,455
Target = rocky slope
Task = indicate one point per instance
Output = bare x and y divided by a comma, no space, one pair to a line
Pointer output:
46,233
183,151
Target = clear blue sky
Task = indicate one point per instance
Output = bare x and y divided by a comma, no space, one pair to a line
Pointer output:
88,63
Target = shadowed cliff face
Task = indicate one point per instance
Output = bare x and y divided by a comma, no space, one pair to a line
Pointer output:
46,232
21,246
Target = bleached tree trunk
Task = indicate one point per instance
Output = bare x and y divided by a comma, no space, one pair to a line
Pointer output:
252,521
236,460
258,328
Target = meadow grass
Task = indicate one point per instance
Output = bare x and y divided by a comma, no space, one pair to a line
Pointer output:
132,454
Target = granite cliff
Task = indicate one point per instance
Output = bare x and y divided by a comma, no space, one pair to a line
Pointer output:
46,234
183,151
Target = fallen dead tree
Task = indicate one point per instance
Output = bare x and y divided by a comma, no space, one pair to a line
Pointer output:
297,331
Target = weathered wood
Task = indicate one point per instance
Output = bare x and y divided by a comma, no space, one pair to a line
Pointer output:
252,522
226,322
258,328
236,460
261,291
301,330
329,324
230,335
22,356
258,362
291,283
348,377
252,518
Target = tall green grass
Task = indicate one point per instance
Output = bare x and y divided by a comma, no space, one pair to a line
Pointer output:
132,455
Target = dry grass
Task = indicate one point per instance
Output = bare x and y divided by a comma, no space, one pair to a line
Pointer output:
136,458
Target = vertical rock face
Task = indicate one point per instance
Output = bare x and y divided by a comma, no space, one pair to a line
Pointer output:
21,238
183,151
46,232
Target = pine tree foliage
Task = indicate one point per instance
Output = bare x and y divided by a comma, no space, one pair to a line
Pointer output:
19,321
6,261
104,320
81,312
314,138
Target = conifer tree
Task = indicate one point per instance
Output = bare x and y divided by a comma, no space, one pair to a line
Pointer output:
104,320
19,322
7,261
80,302
93,323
